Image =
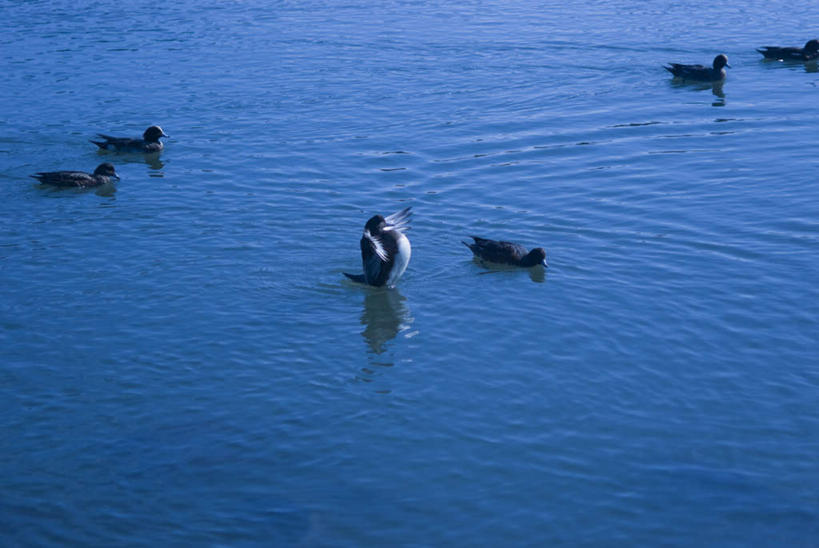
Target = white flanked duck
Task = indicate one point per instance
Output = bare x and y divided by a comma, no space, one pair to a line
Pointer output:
385,249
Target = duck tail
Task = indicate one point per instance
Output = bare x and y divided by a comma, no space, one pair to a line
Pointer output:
358,278
472,247
100,144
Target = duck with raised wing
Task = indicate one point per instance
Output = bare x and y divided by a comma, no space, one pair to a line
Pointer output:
809,53
700,73
103,175
385,250
149,143
494,251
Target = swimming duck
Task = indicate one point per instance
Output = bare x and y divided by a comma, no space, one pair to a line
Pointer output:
495,251
149,143
103,175
385,250
809,53
699,72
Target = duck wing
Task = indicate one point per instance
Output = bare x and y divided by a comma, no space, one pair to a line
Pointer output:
688,71
399,220
497,251
119,143
375,258
66,178
776,52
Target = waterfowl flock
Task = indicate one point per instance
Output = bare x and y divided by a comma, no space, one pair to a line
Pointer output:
385,248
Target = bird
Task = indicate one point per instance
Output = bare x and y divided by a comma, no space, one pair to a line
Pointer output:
500,252
809,53
699,72
149,143
385,250
103,175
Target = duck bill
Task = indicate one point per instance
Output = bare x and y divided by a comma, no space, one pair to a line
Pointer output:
544,263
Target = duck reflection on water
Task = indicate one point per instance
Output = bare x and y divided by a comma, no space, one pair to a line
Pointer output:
385,314
716,88
152,159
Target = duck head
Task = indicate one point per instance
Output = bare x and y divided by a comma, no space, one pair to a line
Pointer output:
535,257
106,169
153,133
376,224
721,61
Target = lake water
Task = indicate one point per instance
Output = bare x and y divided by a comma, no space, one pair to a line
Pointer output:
183,363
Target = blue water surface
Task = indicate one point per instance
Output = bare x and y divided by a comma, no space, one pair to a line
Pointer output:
183,363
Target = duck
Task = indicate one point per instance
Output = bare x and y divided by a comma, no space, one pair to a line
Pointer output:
104,174
809,53
699,72
495,251
149,143
385,249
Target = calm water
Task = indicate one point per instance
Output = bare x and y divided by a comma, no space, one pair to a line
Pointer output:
182,362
